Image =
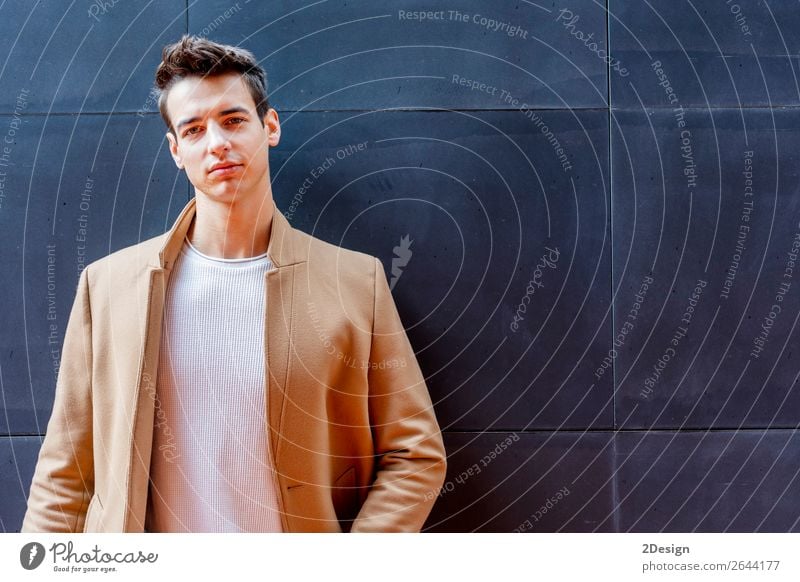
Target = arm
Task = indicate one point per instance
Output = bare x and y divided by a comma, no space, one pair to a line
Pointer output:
63,481
411,457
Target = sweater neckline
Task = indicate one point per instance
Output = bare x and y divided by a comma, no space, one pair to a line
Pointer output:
221,261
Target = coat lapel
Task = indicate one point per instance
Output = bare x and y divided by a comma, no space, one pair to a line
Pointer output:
144,416
152,296
277,333
281,292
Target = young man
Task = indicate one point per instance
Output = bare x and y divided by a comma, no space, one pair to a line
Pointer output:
234,374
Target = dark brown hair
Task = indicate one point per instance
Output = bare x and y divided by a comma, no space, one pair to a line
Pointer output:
200,57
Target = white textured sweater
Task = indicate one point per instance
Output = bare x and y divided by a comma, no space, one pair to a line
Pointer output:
211,469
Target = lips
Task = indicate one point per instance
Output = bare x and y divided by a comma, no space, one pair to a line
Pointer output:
223,168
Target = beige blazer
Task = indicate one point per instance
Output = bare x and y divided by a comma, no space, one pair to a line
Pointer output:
351,429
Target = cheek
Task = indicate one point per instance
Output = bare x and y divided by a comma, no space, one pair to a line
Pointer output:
257,160
193,166
196,175
259,166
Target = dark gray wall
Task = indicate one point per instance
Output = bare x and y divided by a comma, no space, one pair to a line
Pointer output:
558,201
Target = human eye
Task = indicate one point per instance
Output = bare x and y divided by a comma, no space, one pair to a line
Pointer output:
237,120
192,131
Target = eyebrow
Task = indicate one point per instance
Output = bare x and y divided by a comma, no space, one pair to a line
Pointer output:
221,113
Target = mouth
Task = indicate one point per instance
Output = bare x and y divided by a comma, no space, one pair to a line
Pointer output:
224,169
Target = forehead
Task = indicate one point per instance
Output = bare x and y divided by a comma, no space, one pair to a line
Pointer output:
197,96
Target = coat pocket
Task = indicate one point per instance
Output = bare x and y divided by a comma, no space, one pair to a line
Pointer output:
344,496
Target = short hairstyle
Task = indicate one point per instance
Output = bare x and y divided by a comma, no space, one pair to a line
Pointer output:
194,56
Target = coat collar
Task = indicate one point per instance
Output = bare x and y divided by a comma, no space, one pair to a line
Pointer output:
282,249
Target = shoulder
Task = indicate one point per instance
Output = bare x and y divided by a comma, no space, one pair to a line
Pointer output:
126,264
327,259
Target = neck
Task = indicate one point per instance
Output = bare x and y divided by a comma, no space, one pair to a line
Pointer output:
231,230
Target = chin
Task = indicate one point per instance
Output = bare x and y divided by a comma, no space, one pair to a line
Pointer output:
222,192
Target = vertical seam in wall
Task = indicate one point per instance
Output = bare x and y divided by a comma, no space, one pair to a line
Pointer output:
614,481
614,477
610,210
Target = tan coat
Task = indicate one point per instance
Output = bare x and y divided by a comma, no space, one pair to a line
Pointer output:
351,428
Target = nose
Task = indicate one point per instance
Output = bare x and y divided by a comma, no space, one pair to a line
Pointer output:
218,140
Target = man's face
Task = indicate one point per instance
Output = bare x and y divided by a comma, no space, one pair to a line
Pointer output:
219,139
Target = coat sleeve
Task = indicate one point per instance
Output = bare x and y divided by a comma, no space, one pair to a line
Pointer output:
63,481
411,459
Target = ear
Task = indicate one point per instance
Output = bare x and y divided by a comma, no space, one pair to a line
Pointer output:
174,150
272,127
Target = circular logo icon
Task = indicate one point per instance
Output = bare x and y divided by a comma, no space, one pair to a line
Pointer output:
32,555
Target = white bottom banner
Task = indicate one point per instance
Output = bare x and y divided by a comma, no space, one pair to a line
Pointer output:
400,557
